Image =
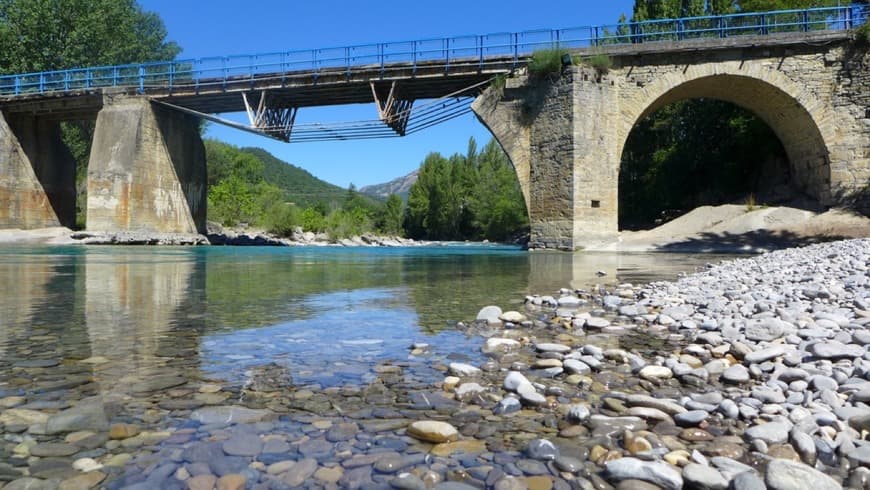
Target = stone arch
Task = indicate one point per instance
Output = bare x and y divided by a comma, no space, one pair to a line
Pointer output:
796,115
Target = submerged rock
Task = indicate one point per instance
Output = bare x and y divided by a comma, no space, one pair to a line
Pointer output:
433,431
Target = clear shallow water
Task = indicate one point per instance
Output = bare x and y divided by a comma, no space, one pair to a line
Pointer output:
120,316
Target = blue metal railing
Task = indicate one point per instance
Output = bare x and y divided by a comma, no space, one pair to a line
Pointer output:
443,51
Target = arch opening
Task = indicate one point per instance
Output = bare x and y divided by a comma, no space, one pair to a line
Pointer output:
720,139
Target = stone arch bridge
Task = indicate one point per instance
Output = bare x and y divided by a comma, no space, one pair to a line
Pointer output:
567,144
564,134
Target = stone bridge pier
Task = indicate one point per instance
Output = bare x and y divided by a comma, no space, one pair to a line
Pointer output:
146,170
565,134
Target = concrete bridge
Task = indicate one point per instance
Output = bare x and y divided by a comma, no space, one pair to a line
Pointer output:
800,71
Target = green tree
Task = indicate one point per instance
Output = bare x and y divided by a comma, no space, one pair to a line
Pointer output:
721,7
43,35
767,5
692,8
226,160
469,196
40,35
498,206
312,220
391,217
355,201
231,201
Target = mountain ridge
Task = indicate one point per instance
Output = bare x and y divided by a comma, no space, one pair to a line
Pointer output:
301,185
399,185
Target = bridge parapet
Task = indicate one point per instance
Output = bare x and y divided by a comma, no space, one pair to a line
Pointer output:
447,54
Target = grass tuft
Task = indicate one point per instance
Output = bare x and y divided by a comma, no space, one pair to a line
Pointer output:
546,62
600,62
862,34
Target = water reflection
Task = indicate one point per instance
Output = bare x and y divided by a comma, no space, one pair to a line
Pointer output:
124,316
550,271
23,286
133,304
38,301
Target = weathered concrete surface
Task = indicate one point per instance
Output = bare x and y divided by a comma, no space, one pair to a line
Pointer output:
565,135
147,170
37,174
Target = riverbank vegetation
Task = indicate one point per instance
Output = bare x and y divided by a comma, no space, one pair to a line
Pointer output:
462,197
466,197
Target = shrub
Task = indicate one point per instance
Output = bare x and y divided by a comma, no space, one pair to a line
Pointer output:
601,62
281,219
498,84
862,34
345,224
546,62
311,220
751,204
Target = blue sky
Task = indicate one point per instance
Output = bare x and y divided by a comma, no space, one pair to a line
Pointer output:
223,27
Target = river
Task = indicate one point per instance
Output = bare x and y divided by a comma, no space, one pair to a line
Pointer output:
118,322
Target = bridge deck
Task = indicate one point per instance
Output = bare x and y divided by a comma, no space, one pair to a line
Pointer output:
426,69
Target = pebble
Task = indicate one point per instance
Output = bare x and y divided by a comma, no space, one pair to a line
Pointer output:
463,370
762,355
657,473
789,475
736,374
229,414
300,472
656,372
770,433
542,449
490,314
231,482
550,347
433,431
691,418
244,444
703,477
748,480
495,344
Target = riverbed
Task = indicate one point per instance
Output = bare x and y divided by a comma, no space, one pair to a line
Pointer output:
125,361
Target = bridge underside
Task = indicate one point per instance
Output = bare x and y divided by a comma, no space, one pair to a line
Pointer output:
146,172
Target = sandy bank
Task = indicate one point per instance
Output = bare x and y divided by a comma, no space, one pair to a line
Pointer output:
726,228
735,228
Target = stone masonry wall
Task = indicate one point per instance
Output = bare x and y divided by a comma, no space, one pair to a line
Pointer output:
805,93
852,97
814,96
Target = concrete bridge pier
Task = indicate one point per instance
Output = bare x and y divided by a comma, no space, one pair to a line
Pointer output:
561,136
147,169
37,174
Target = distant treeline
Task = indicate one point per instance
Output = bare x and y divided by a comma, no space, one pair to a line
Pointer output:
464,197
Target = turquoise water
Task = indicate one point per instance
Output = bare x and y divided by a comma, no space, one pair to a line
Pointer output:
324,316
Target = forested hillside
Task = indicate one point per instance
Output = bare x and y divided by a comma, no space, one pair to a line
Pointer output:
301,187
463,197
